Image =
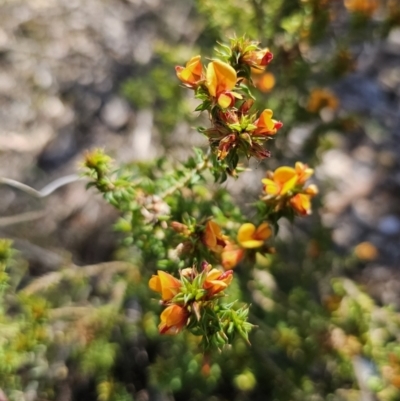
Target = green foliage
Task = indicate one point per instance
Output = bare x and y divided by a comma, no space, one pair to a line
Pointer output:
312,331
98,357
154,89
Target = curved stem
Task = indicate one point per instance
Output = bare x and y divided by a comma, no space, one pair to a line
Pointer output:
44,192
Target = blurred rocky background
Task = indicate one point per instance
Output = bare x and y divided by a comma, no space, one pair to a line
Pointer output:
62,64
68,73
77,75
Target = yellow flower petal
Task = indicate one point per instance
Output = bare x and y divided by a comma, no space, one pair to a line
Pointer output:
266,118
249,237
265,124
301,203
172,315
211,80
216,281
286,177
192,72
220,77
173,319
213,275
231,257
270,187
155,283
213,238
284,174
303,171
169,285
246,232
225,100
289,185
194,64
252,243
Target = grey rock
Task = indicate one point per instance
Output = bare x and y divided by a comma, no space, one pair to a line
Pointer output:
116,113
364,211
359,93
389,225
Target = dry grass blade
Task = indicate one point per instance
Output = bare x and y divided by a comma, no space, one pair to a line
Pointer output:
73,271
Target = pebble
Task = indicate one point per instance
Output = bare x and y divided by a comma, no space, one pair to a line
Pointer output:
53,107
389,225
364,211
345,233
43,78
335,164
142,136
116,113
394,37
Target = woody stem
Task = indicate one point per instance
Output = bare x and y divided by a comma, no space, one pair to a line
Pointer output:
188,177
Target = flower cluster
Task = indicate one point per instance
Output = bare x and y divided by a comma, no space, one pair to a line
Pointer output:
192,303
180,231
285,188
221,87
188,295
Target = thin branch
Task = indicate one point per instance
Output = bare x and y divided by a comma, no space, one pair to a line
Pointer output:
44,192
71,312
21,218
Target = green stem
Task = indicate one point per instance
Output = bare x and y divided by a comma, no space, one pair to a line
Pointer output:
187,178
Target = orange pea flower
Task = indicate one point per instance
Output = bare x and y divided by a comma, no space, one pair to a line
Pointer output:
213,237
258,58
283,180
287,183
265,82
366,7
366,251
266,125
231,256
173,319
216,281
191,74
220,80
251,237
320,98
168,286
301,203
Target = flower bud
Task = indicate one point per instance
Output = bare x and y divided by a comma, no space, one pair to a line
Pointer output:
226,100
180,228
